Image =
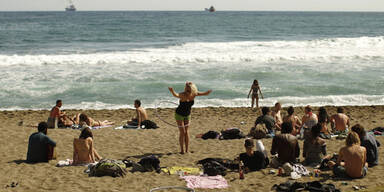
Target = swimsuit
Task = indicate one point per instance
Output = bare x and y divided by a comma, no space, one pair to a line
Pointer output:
183,111
255,92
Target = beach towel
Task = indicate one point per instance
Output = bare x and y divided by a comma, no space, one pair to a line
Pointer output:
183,170
205,182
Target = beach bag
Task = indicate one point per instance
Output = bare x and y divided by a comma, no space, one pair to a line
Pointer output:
150,163
227,163
108,167
233,133
149,124
210,135
258,132
213,168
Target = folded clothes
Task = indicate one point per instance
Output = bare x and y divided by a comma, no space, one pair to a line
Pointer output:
206,182
184,170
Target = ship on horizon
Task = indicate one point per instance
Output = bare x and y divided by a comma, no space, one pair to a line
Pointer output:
211,9
71,6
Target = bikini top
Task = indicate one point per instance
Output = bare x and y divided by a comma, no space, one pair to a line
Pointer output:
184,108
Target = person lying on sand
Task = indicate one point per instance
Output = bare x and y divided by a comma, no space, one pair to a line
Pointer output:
354,157
253,160
84,119
38,145
370,143
141,115
83,148
340,121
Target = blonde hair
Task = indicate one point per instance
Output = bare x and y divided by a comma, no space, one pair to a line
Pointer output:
352,138
193,87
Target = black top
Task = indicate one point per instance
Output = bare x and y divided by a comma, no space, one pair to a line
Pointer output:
38,147
370,143
184,108
255,162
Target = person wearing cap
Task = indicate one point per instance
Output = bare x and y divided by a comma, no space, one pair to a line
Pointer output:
253,160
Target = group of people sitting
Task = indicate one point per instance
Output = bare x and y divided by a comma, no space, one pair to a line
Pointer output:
353,160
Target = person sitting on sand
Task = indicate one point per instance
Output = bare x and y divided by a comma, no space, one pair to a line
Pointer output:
354,157
84,119
183,111
340,121
141,115
314,148
293,119
370,143
266,119
277,115
253,160
55,115
255,89
83,149
286,146
324,120
309,120
39,144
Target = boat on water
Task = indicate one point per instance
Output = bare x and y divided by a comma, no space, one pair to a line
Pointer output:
211,9
71,6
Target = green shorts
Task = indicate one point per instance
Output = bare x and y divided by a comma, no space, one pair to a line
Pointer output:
182,118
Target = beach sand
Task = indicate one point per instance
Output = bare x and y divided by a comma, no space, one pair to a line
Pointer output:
119,144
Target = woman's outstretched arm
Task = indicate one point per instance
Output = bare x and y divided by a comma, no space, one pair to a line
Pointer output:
204,93
173,92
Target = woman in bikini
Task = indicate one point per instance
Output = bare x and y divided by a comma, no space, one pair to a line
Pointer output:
183,111
84,119
255,89
293,119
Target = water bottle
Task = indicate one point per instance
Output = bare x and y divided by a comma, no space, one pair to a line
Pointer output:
241,171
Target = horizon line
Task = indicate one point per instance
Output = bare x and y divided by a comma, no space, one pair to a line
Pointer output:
202,10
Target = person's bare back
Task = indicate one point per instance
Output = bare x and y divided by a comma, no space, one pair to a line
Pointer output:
341,121
142,114
354,158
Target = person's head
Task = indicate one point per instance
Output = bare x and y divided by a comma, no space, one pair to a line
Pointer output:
322,111
286,127
255,82
42,127
340,110
249,144
315,130
308,109
265,110
137,103
352,139
291,110
277,106
359,129
83,117
190,88
85,133
59,103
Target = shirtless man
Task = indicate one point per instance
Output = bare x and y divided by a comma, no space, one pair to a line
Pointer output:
277,115
340,121
55,114
141,115
354,157
309,120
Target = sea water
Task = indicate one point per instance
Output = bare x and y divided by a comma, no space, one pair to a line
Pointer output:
106,60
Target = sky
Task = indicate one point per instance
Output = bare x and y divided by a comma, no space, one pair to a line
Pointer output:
181,5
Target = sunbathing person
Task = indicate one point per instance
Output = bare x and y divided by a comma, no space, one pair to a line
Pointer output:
314,148
294,120
253,160
324,120
277,115
354,157
340,121
85,120
40,145
83,149
141,115
286,146
54,115
370,143
267,120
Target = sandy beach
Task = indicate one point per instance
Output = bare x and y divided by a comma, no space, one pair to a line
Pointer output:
119,144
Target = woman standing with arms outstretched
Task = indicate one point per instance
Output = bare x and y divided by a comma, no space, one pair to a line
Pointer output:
255,89
183,111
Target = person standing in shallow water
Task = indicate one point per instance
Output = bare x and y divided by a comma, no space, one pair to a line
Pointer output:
183,111
255,89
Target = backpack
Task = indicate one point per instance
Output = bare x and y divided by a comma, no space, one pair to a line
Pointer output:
150,163
149,124
258,132
233,133
210,135
108,167
227,163
213,168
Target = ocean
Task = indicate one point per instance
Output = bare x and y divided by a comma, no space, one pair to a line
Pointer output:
106,60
